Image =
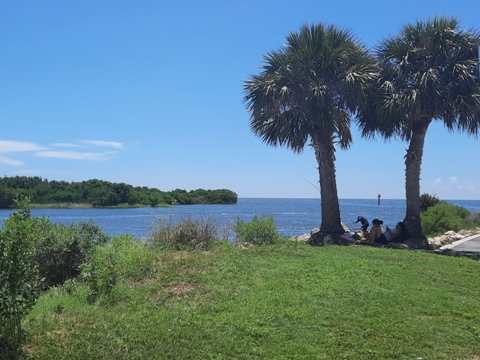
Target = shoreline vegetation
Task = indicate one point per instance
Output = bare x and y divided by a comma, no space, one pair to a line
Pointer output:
90,206
96,193
269,297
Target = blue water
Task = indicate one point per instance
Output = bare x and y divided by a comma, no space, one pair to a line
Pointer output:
292,216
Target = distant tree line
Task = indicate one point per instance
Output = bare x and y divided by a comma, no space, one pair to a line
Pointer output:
100,193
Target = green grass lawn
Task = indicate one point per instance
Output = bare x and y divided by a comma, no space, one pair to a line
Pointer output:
272,302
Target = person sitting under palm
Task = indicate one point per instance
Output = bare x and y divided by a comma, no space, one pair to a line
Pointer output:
399,235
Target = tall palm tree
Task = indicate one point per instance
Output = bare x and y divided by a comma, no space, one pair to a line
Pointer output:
308,91
428,72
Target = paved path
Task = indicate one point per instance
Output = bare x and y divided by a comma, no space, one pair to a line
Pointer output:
469,244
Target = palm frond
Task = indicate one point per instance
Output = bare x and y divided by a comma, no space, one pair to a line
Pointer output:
429,71
311,86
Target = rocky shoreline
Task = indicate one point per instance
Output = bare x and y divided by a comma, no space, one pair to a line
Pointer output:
349,238
451,236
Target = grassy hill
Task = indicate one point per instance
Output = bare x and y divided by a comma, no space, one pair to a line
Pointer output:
288,301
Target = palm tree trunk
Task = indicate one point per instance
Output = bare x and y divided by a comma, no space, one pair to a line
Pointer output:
325,154
413,162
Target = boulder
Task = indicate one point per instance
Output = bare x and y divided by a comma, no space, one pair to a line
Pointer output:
303,238
318,238
315,237
328,240
448,238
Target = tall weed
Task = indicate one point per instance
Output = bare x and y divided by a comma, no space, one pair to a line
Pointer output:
135,259
187,235
100,273
124,259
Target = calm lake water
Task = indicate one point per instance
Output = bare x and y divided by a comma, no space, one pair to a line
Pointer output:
292,216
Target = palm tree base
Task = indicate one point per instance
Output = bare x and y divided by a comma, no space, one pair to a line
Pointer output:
321,238
417,244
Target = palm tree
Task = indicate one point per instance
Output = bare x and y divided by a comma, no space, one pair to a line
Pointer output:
308,91
427,72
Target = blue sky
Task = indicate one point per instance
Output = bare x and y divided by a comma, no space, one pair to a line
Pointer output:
150,93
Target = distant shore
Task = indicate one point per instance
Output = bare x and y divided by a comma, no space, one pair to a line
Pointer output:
90,206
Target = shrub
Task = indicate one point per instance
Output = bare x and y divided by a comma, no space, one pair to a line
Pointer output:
124,259
427,201
19,282
187,235
443,217
135,259
473,220
100,273
257,232
32,249
60,250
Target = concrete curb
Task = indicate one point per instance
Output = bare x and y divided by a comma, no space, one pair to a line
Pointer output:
458,242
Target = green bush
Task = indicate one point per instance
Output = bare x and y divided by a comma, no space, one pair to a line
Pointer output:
257,232
19,281
34,252
124,259
443,217
60,250
473,220
135,259
427,201
187,235
100,273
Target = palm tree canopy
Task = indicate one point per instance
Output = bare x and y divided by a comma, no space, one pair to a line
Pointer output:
429,71
309,87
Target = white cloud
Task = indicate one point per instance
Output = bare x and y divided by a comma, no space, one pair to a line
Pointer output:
467,187
76,155
7,146
10,146
114,144
6,161
64,145
453,179
437,181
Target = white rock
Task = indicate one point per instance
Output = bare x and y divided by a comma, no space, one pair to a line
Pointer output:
304,237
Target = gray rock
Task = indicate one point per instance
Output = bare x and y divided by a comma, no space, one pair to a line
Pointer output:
328,240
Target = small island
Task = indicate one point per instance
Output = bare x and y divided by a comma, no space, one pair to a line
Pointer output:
101,194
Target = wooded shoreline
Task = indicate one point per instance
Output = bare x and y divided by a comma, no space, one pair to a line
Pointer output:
102,194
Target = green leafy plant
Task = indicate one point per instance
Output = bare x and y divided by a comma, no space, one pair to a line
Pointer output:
19,281
125,259
100,274
261,231
473,221
135,259
443,217
61,250
427,201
